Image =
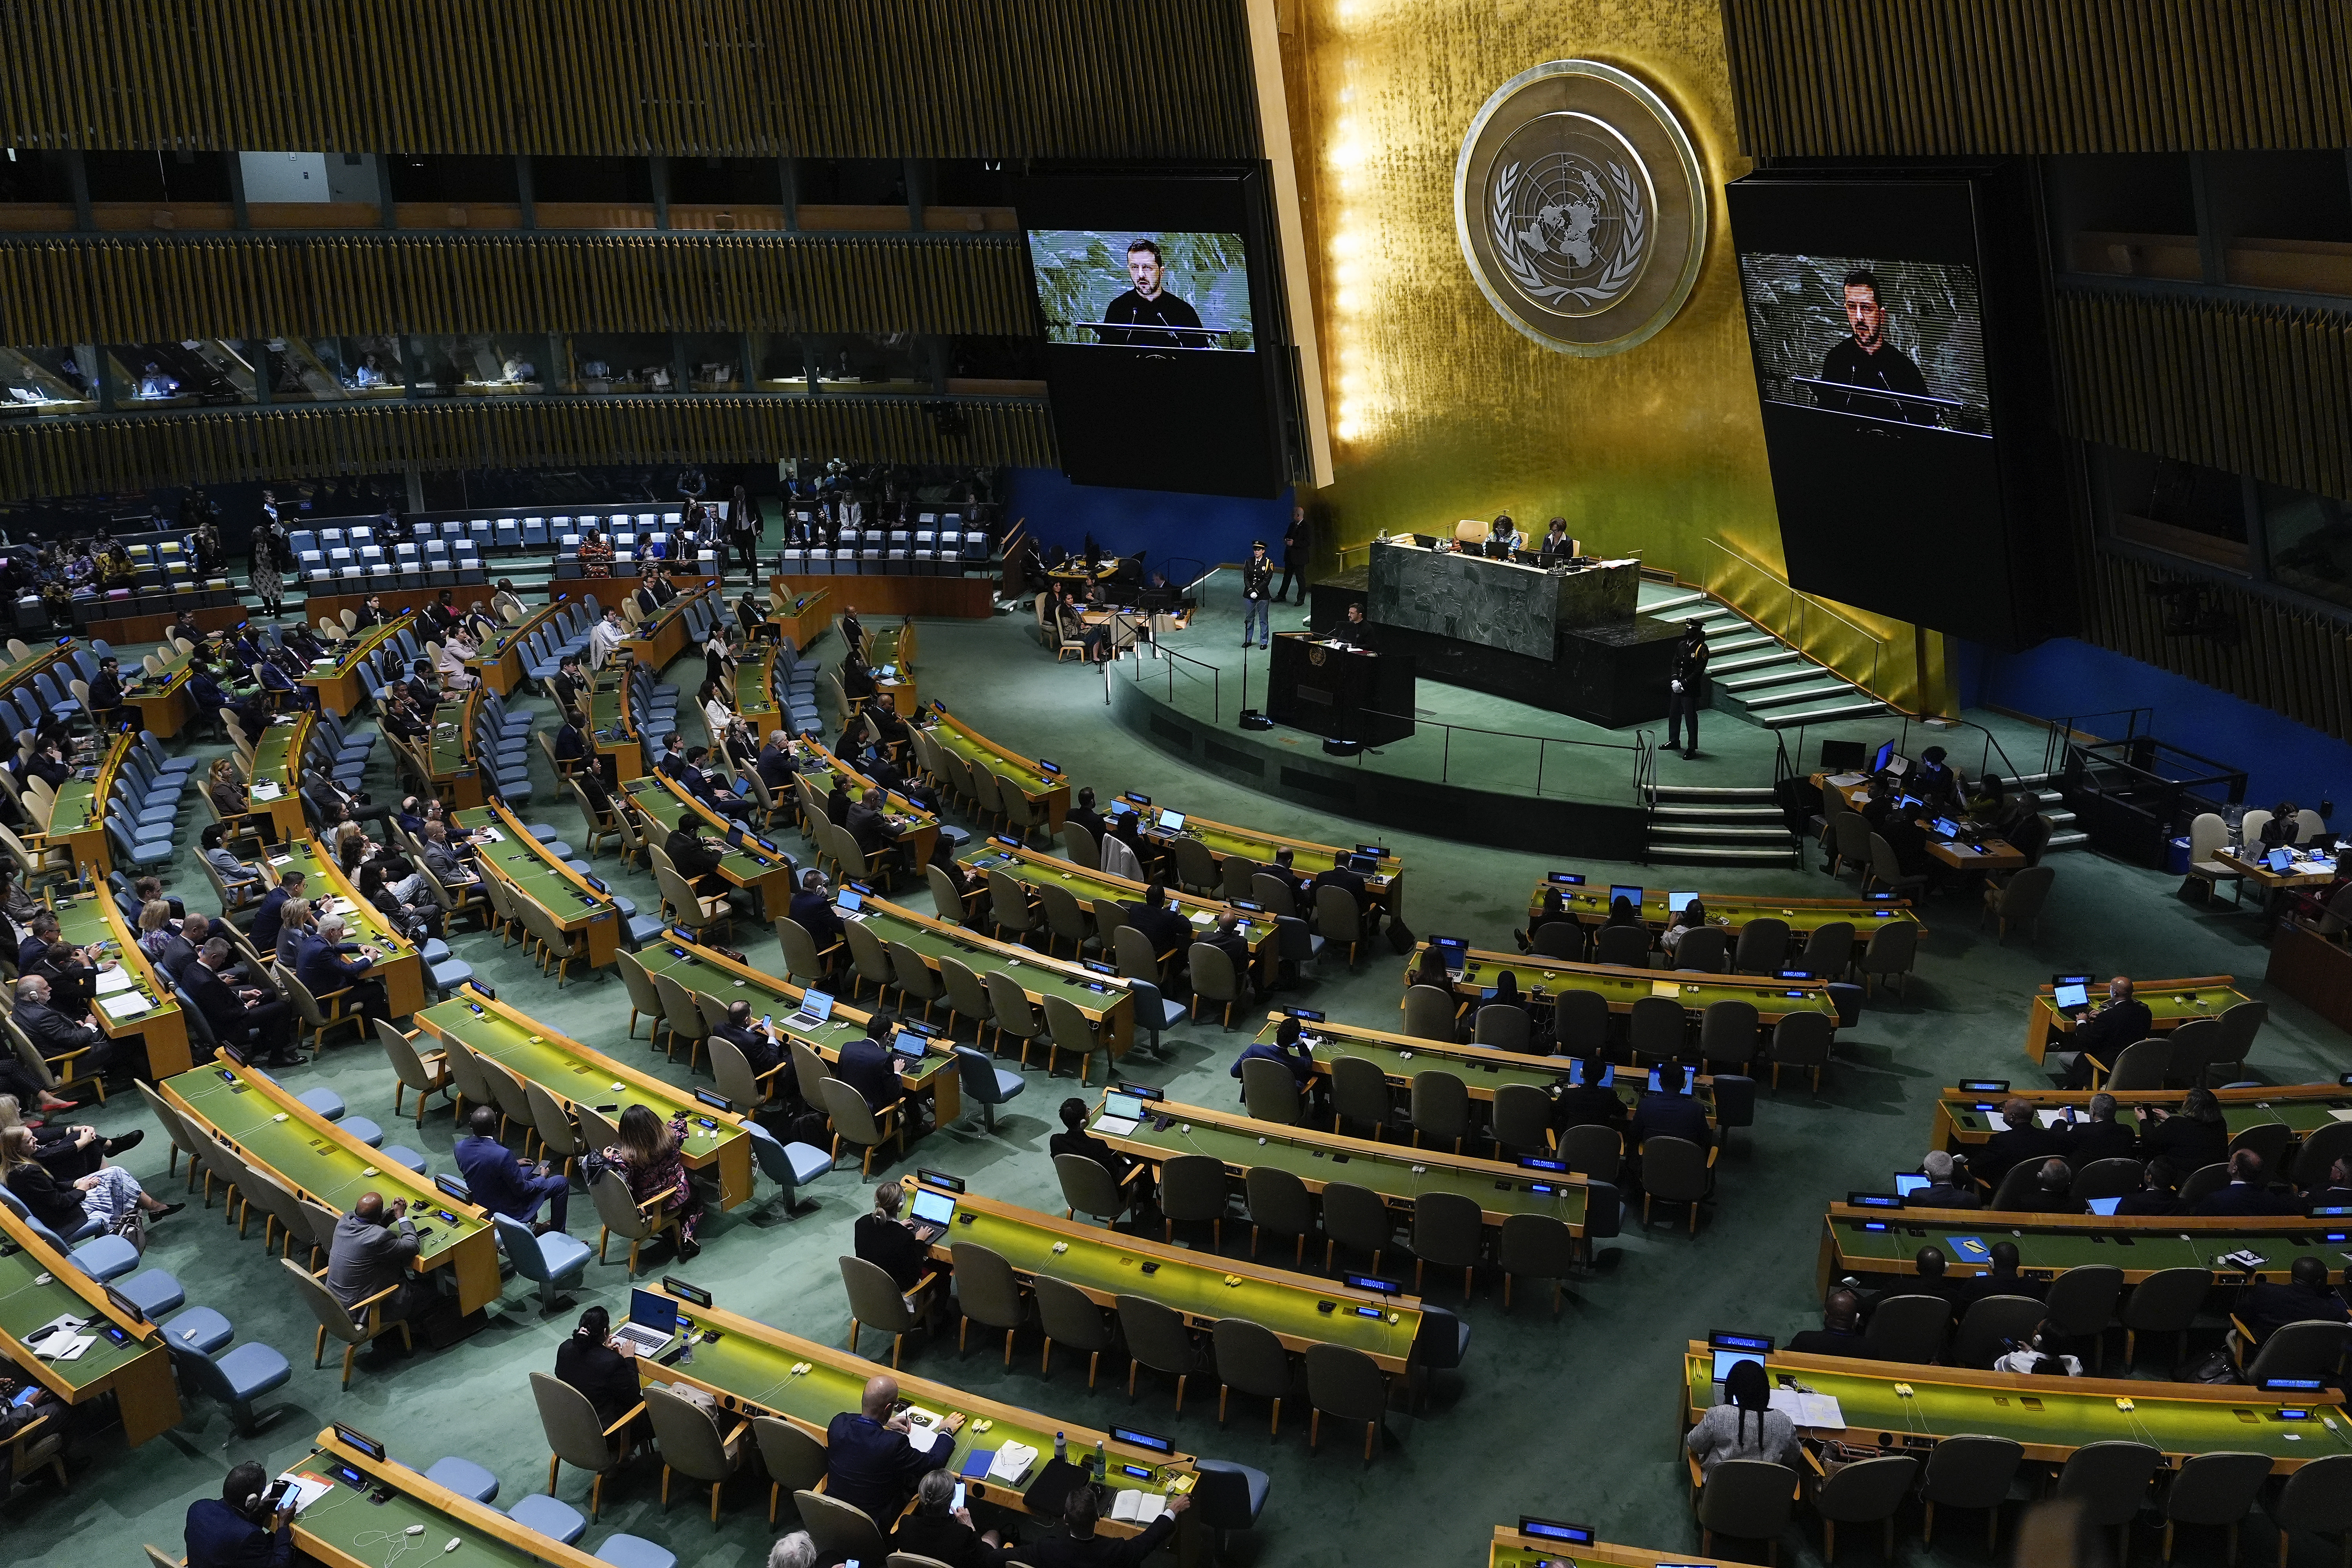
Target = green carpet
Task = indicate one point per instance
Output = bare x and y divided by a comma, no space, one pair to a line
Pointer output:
1572,1418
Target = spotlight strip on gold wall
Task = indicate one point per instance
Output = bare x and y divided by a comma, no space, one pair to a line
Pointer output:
829,79
77,456
1827,77
68,290
2264,390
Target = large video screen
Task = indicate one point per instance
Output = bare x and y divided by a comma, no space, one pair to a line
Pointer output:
1876,328
1098,287
1911,332
1153,298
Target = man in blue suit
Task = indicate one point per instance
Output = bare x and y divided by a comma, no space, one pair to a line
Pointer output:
229,1532
2246,1194
322,967
504,1184
1670,1112
870,1462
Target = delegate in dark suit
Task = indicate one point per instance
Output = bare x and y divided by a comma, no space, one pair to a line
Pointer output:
1351,883
1168,931
866,1067
1588,1105
53,1035
868,1465
696,861
2025,1139
944,1538
2243,1198
1098,1551
2101,1037
368,1257
232,1017
322,969
891,1248
812,911
504,1184
2267,1308
218,1536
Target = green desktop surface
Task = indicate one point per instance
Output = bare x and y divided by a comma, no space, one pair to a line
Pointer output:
2049,1415
273,757
1543,980
820,768
754,1370
329,1169
451,752
524,862
574,1075
1591,904
1314,1161
82,922
78,804
2134,1250
1483,1071
973,747
658,799
363,922
774,1000
1089,886
754,694
931,942
346,1519
1197,1289
31,1296
2305,1116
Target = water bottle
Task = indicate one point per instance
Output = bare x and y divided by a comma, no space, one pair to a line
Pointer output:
1061,1448
1102,1462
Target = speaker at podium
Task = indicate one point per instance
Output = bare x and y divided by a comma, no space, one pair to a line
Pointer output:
1339,692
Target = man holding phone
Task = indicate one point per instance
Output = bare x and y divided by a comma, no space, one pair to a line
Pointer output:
941,1528
250,1525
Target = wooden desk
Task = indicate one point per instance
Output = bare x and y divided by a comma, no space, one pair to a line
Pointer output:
162,703
1482,1070
2170,1003
716,1143
331,1528
2049,1243
454,771
2304,872
396,961
2052,1417
1590,906
1398,1172
661,636
1109,895
1386,887
269,1127
1103,998
2313,969
1202,1286
1046,788
895,647
529,870
1509,1549
755,694
277,764
799,618
767,871
136,1369
748,1371
1986,854
93,921
38,658
615,728
498,664
1620,986
919,830
79,820
707,972
1962,1122
337,681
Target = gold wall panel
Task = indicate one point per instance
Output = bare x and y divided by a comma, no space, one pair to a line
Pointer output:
850,79
108,291
2254,389
77,456
1441,409
1933,77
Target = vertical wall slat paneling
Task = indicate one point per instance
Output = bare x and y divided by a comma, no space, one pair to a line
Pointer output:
846,79
76,456
65,291
1933,77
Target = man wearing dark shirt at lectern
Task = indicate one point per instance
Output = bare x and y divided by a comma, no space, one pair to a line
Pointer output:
1150,304
1866,359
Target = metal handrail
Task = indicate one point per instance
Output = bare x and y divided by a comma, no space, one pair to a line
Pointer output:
1878,644
1643,745
2062,731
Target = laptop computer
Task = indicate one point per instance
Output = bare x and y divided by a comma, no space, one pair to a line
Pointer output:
848,901
2071,994
1730,1349
816,1006
1171,821
1453,950
908,1043
653,1323
1675,901
1947,828
932,1214
1121,1115
1578,1069
1905,1185
2280,859
2102,1206
1631,895
1883,755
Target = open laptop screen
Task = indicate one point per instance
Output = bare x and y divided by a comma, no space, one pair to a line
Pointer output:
934,1208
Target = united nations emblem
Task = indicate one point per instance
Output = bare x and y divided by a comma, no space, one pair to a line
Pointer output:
1580,207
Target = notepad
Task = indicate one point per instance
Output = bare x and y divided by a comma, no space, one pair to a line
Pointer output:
2050,1117
111,981
1137,1506
2340,1115
64,1347
129,1004
1971,1249
1665,988
1011,1463
1844,781
1809,1409
263,791
305,1488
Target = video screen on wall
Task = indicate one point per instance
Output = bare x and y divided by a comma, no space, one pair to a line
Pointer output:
1175,290
1150,299
1870,335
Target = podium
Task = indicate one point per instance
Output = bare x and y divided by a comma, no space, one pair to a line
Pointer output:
1341,694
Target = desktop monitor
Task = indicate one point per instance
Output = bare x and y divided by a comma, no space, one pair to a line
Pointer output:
1882,757
1631,895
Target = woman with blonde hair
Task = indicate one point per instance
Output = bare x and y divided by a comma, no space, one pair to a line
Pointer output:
155,934
109,1195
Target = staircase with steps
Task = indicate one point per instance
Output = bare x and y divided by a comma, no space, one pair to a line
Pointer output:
1760,679
1691,825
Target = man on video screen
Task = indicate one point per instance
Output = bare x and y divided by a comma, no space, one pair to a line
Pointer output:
1150,304
1866,359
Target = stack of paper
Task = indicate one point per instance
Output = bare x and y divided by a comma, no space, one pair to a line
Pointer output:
1011,1463
129,1004
1137,1506
64,1347
111,981
1809,1409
